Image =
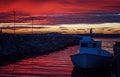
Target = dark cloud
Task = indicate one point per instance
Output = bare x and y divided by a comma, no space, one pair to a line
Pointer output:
110,30
8,17
11,14
117,7
86,18
89,18
5,14
7,1
36,17
106,28
80,29
78,11
116,31
41,1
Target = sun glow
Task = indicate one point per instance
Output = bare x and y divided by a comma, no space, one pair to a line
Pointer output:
105,28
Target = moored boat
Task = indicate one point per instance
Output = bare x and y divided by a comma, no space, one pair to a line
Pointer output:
91,55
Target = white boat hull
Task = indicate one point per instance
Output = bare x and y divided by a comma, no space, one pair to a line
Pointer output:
90,60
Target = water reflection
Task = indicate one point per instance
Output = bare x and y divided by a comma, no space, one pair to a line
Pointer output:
95,73
57,64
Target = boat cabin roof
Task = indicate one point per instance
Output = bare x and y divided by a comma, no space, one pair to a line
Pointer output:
86,38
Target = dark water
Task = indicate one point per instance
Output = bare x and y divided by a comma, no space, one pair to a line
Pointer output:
57,64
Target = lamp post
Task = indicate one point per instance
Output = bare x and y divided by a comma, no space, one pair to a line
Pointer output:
14,20
32,24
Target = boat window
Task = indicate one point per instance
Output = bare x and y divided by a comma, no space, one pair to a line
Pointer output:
88,45
92,45
84,45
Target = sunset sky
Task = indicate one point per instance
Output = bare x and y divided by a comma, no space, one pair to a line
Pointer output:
66,16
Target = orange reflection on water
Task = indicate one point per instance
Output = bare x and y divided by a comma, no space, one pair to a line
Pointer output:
57,64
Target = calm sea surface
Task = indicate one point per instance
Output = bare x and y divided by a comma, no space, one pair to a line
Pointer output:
57,64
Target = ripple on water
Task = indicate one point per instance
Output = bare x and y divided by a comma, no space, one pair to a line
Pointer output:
57,64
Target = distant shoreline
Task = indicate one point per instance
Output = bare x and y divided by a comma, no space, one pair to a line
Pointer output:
102,35
93,35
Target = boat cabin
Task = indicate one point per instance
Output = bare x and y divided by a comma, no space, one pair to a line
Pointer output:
90,46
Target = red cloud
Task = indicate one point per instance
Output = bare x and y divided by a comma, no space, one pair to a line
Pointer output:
52,8
37,7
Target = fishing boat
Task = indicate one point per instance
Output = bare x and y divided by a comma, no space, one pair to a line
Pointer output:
91,55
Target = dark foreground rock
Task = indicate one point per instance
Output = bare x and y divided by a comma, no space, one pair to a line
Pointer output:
15,47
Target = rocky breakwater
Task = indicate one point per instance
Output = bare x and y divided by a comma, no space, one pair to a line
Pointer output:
15,47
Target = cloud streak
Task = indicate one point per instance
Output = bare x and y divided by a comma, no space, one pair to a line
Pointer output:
60,11
89,18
